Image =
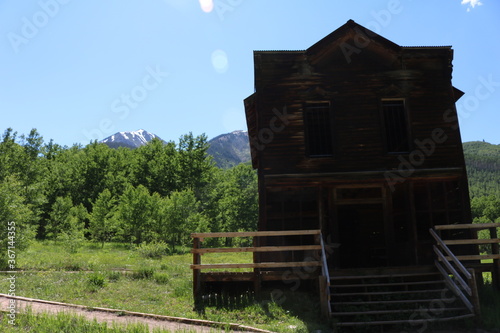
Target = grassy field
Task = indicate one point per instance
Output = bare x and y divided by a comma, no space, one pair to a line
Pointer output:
63,322
118,277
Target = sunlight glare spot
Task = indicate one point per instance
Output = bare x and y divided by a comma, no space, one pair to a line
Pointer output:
219,61
207,5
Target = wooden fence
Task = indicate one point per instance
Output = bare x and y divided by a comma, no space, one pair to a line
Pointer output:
261,270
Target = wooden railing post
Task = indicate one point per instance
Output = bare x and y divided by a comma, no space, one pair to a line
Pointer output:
196,272
256,271
495,249
475,294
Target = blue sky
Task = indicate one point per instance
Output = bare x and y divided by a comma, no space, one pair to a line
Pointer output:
83,70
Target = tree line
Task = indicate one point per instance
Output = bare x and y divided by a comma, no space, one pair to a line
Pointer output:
159,192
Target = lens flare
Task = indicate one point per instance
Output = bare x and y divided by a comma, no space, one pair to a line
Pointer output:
219,61
206,5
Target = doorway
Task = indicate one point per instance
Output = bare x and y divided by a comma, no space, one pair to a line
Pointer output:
361,236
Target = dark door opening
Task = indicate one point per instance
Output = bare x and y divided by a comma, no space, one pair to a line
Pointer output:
361,236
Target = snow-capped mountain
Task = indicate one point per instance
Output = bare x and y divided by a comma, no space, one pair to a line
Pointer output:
129,139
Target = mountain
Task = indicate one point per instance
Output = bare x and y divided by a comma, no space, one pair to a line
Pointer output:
483,168
230,149
132,140
227,149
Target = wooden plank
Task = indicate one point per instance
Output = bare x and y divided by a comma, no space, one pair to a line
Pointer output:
380,293
477,257
258,249
388,284
377,312
467,226
196,272
454,288
395,322
453,271
259,265
471,241
459,265
256,233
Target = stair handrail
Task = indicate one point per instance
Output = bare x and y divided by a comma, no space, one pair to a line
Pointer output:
467,286
325,272
457,262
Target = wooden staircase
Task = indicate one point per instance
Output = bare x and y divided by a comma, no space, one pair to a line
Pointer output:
393,297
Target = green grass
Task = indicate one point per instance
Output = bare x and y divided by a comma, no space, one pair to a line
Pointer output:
68,323
490,306
160,286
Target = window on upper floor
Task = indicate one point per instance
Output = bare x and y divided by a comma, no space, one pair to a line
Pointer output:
318,129
396,126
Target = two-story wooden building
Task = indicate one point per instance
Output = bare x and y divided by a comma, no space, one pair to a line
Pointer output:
357,145
359,137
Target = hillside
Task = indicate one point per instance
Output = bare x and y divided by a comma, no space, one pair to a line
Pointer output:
230,149
483,168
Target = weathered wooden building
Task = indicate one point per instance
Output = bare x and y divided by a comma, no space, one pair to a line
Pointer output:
359,137
357,145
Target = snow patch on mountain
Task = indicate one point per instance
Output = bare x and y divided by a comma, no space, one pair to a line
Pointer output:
132,139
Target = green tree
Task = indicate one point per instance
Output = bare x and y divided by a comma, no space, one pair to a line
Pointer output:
182,216
66,218
137,214
15,216
232,202
157,167
102,225
195,166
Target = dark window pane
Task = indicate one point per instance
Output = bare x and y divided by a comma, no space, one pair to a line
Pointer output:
396,126
318,130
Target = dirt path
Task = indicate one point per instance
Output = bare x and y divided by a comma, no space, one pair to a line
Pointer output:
120,317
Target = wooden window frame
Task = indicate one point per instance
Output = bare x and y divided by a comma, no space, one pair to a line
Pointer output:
327,148
405,134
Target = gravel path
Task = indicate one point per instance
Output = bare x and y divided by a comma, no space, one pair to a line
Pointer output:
117,316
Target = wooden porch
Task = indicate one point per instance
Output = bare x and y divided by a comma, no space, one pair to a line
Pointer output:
366,296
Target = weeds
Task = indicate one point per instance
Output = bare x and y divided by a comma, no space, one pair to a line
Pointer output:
96,281
154,250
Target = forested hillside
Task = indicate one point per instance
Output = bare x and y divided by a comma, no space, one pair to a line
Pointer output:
483,168
155,193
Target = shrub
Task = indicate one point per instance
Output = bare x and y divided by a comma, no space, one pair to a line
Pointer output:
161,278
96,280
114,276
144,273
153,250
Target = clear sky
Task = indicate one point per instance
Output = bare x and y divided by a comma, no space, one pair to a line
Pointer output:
79,70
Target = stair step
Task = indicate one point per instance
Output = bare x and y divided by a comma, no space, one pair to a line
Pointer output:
447,300
377,312
384,276
389,284
397,322
379,293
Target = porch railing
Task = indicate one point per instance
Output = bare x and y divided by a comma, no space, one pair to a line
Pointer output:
259,267
480,262
457,277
